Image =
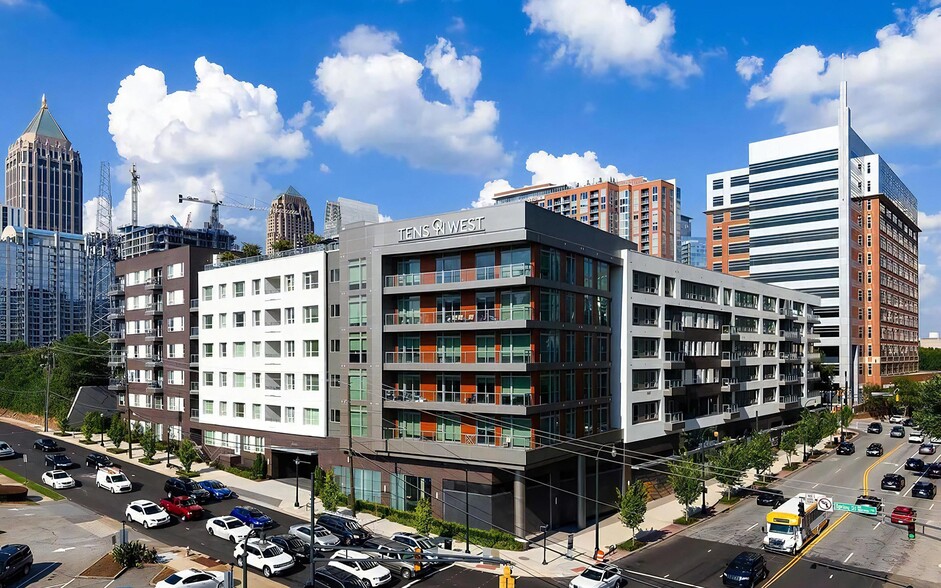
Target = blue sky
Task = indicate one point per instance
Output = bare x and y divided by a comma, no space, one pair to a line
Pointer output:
416,105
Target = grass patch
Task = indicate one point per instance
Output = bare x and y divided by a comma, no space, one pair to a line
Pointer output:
631,545
187,474
61,434
47,492
116,451
148,461
791,467
84,442
685,520
730,499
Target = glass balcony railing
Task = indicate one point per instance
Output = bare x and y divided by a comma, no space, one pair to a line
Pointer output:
431,317
458,276
462,357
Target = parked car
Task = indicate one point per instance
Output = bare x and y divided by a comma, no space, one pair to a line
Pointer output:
893,482
6,451
896,419
418,541
362,566
44,444
98,460
229,528
321,535
874,428
874,450
916,437
747,569
846,448
58,461
924,490
217,489
264,556
347,530
898,432
915,465
869,500
902,515
183,507
927,449
293,545
933,471
113,480
146,513
908,423
193,578
407,565
599,576
185,487
768,497
58,480
252,517
332,577
16,560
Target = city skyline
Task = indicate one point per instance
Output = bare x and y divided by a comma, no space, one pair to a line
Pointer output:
708,94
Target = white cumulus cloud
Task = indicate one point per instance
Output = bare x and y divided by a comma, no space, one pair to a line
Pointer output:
611,35
324,168
749,66
219,135
376,103
490,188
929,275
892,92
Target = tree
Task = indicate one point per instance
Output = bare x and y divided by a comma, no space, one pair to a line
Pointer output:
318,480
929,359
928,413
281,245
148,442
684,478
424,518
908,393
259,466
788,444
186,453
228,256
760,453
632,506
62,417
250,249
117,432
331,495
91,424
312,239
846,416
876,401
728,465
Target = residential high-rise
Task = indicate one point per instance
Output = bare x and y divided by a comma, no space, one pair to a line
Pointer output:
141,240
693,251
289,219
821,213
644,211
345,212
44,176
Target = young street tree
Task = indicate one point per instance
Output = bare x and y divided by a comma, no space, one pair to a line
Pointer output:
728,465
424,518
186,453
632,506
760,453
148,442
788,444
331,495
117,432
684,478
91,424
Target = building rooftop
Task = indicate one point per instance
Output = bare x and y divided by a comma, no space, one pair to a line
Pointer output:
44,125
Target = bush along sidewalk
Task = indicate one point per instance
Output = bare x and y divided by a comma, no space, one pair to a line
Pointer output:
485,538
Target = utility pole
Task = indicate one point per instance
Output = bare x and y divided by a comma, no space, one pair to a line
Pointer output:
130,434
50,365
313,540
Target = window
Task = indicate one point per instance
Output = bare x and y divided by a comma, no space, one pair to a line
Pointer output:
256,318
289,316
359,421
256,411
312,416
311,382
238,349
238,289
589,275
289,414
223,320
357,315
334,380
207,406
334,310
448,428
358,347
358,380
311,314
310,280
289,283
311,348
256,287
223,408
207,321
515,390
256,380
357,269
222,291
288,382
223,349
238,319
334,276
207,349
238,379
238,410
335,345
289,349
334,415
207,293
256,348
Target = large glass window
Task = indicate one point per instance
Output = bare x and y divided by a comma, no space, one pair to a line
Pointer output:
549,305
486,306
358,347
311,314
486,390
570,308
588,303
486,262
409,348
359,421
358,381
486,348
515,262
571,274
515,348
449,348
358,311
409,424
589,275
549,351
448,428
409,310
517,432
449,388
449,308
357,269
515,305
408,272
604,280
515,390
448,269
486,434
549,264
549,388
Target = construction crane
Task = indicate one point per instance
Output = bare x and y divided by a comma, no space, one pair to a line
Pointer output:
216,202
189,220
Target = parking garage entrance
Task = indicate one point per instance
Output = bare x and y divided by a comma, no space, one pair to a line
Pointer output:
288,462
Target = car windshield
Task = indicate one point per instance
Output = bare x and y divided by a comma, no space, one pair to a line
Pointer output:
173,580
367,565
189,502
425,544
592,574
215,485
740,565
253,512
272,551
319,532
351,526
59,475
295,543
779,528
117,479
152,509
234,524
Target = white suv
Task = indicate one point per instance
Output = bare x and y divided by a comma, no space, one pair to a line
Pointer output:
362,566
146,513
599,576
263,555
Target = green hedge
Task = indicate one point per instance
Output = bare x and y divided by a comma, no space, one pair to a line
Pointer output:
485,538
247,474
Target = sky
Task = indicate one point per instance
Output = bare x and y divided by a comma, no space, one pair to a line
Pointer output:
427,106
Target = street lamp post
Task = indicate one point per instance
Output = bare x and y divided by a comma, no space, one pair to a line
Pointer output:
467,512
297,474
614,453
101,429
545,532
168,448
245,558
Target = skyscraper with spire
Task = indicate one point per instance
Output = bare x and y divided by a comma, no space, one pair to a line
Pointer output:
289,219
44,176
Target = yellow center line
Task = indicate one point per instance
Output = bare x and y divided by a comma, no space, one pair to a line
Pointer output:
829,528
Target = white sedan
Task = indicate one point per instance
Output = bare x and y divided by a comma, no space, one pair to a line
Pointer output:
58,479
599,576
6,450
228,527
146,513
193,578
916,437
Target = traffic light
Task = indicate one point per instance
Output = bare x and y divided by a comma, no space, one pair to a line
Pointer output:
911,531
800,509
417,566
181,199
507,580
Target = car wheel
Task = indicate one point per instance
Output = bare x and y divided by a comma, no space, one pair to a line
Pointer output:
232,539
146,524
211,532
266,571
407,573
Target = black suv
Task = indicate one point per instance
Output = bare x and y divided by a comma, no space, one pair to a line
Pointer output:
98,460
893,482
747,569
331,577
874,428
299,550
348,530
915,464
773,498
186,487
15,560
933,471
924,490
846,448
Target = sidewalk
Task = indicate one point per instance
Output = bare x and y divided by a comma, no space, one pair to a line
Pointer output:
279,496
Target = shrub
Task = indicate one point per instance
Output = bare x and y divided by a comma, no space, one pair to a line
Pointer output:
134,554
424,519
259,466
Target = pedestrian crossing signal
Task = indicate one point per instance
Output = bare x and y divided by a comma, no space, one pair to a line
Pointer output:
507,580
911,531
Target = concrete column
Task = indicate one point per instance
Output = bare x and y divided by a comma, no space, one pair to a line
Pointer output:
553,516
519,505
582,490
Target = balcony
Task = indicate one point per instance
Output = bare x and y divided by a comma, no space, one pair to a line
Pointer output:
154,309
673,421
489,402
153,335
790,335
789,378
792,357
519,357
153,361
813,376
460,276
116,313
116,337
439,317
194,360
731,359
729,333
194,332
812,318
729,385
673,388
730,412
789,313
674,360
194,414
813,337
673,330
155,386
153,284
117,384
194,304
194,387
786,402
116,289
117,360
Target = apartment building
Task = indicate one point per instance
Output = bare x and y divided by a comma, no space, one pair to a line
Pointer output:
644,211
803,215
154,339
263,359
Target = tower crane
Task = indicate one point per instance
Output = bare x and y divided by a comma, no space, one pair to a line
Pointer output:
216,202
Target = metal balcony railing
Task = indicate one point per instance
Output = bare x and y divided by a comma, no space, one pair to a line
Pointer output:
464,357
458,276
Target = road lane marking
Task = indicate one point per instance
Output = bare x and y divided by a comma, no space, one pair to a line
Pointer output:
749,528
653,578
877,525
848,557
838,471
814,486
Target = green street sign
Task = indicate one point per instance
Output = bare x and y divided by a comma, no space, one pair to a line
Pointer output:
860,508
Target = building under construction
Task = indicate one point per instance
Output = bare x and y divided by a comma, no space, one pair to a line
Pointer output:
137,241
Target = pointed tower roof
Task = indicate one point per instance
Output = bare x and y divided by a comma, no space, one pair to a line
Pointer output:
292,192
43,125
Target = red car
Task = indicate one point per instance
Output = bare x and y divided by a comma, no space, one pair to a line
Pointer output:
902,515
183,507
